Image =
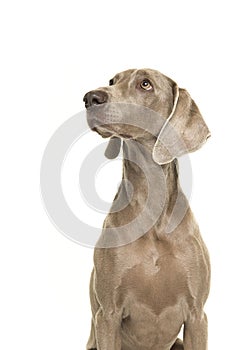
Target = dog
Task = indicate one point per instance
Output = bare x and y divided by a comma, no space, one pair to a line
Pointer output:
151,271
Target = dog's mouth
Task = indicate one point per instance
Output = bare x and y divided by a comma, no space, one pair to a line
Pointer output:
104,131
128,121
104,113
125,136
106,120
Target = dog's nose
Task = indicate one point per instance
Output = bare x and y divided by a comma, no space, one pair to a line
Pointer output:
95,97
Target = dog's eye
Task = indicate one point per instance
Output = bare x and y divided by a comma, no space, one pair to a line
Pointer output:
146,85
111,82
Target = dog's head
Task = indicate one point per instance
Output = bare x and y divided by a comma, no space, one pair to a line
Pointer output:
149,107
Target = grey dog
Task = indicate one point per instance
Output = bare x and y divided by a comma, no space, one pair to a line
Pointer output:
151,271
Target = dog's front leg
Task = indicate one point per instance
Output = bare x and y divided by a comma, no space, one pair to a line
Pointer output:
195,333
107,331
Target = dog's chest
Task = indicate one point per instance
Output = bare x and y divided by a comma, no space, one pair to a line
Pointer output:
148,274
156,282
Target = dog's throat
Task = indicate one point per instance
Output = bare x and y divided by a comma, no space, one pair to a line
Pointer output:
146,187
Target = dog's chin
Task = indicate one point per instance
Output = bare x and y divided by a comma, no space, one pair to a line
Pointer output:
105,131
100,129
96,122
103,127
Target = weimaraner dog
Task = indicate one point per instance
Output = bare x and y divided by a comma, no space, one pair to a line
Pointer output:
151,271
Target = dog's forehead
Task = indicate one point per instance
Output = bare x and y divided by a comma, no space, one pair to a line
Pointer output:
132,74
125,74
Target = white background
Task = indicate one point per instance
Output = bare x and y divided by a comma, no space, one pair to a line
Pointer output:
52,52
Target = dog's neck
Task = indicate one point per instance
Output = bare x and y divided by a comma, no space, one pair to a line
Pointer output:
149,199
147,188
150,180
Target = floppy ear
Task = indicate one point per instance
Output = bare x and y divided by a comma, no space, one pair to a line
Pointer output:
184,130
113,147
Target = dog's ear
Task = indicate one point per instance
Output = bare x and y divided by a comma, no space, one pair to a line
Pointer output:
113,147
184,131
